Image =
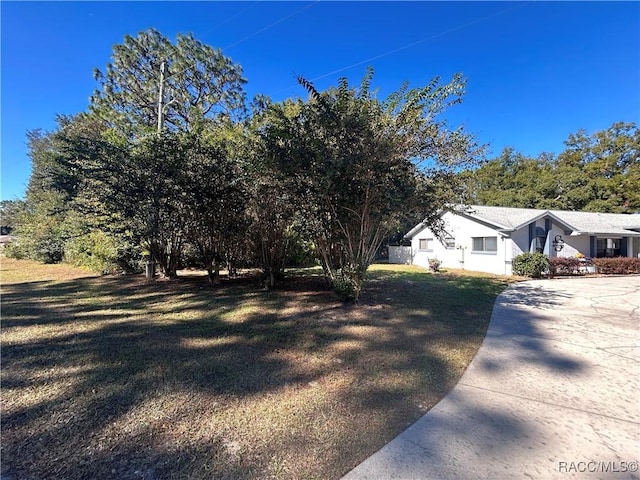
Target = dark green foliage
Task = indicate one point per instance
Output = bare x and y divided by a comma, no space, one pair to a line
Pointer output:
300,251
332,176
46,247
201,85
530,265
360,167
11,212
599,173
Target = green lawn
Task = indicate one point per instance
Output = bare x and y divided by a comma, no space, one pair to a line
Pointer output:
113,377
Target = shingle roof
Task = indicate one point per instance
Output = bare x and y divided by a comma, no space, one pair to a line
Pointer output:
508,218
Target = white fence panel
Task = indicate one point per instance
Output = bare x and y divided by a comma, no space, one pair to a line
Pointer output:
400,255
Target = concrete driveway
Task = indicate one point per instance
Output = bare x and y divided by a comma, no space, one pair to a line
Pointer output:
554,392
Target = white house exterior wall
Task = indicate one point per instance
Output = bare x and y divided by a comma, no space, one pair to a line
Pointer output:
511,243
463,230
520,241
572,244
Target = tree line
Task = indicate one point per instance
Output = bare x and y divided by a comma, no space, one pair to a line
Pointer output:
598,173
170,163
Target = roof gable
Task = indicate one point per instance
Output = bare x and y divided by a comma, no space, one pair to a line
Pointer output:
508,219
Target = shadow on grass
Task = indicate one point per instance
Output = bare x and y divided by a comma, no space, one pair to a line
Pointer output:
520,317
82,360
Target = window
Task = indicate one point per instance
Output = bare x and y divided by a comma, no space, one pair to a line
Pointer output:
485,244
538,241
449,242
607,247
425,244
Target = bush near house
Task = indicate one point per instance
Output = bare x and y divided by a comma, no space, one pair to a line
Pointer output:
617,265
565,266
530,264
434,264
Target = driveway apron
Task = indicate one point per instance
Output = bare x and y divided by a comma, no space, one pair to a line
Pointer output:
553,392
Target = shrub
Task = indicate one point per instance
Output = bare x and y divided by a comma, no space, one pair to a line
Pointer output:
434,264
530,264
105,253
346,285
45,245
565,266
14,250
95,250
617,265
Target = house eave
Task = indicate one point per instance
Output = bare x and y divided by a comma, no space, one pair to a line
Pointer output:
606,234
545,214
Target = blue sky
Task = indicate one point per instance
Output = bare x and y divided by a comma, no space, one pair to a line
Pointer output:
537,71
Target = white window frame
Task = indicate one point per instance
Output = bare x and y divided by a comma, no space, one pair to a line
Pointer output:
428,244
484,250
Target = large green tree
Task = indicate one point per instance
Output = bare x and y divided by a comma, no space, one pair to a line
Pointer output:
199,84
359,165
215,192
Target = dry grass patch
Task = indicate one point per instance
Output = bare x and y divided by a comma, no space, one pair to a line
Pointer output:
112,377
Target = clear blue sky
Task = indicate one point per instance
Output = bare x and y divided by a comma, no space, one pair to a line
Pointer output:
536,71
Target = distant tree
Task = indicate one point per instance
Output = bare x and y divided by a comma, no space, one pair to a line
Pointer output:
599,172
11,212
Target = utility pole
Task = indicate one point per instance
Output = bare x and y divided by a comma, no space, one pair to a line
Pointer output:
150,261
160,98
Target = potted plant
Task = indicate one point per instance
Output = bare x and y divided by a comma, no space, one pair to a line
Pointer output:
586,265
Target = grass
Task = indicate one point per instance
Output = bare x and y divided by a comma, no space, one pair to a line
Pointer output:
113,377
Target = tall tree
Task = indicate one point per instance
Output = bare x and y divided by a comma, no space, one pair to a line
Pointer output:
198,83
48,220
604,168
362,165
276,207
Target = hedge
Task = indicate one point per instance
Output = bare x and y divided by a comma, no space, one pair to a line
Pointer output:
565,266
617,265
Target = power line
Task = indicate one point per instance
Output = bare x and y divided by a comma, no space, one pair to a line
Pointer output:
232,17
413,44
250,36
162,67
271,25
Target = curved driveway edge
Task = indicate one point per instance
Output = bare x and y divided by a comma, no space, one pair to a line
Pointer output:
553,392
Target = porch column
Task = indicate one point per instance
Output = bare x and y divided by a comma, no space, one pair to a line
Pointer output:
532,234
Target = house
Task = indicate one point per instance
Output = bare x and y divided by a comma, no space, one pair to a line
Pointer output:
487,239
